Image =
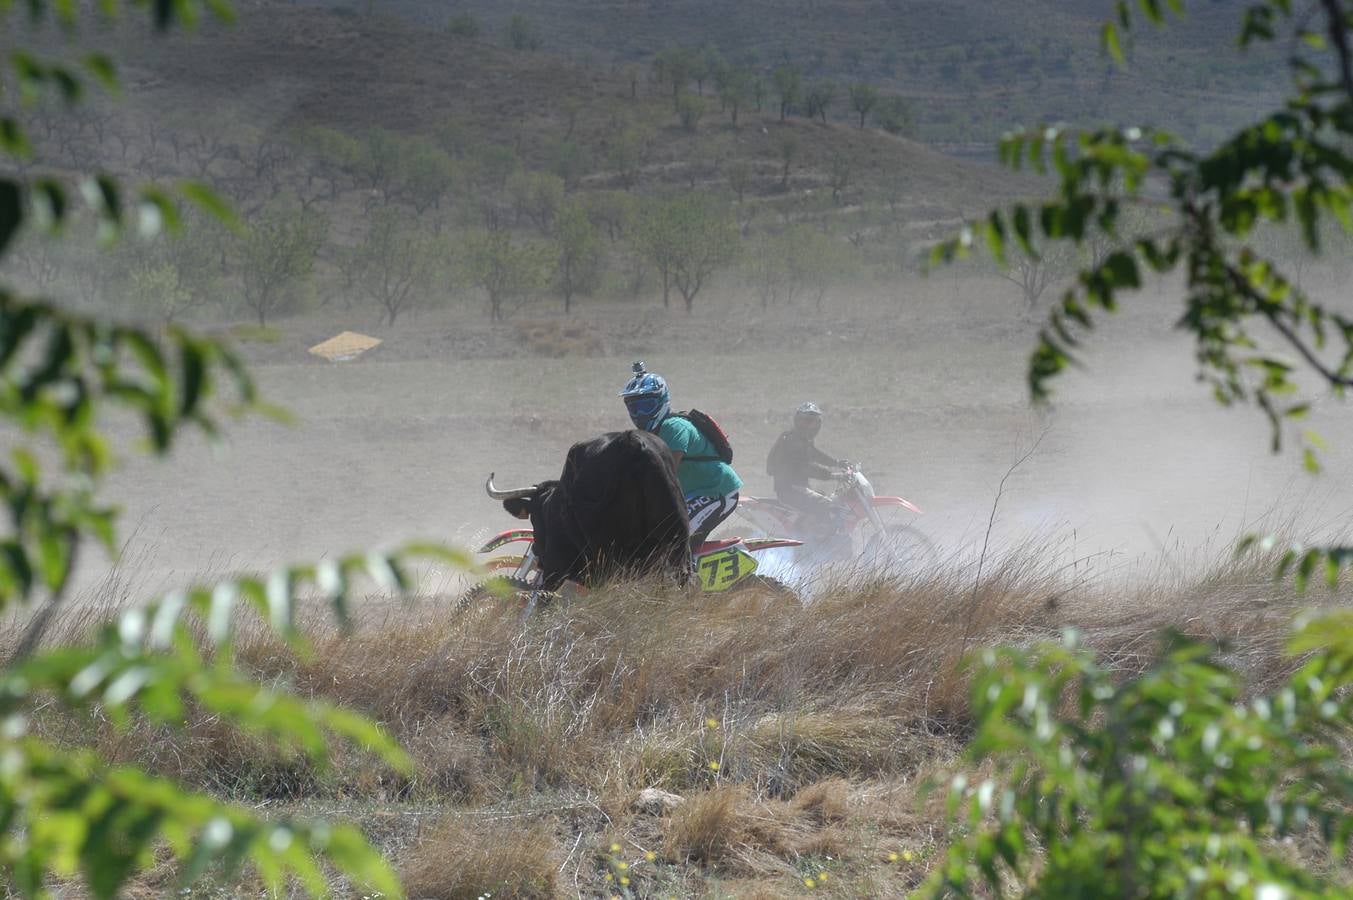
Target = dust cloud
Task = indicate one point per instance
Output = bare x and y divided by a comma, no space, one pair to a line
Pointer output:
1134,467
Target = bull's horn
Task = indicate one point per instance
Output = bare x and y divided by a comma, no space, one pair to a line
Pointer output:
507,495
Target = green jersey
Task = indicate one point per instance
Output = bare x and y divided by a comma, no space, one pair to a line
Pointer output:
699,478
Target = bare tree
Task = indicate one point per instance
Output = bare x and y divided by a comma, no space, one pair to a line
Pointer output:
1033,274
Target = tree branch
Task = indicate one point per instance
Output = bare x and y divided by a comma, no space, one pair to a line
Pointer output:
1338,34
1266,309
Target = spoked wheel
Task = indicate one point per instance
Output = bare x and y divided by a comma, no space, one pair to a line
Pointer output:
900,549
503,593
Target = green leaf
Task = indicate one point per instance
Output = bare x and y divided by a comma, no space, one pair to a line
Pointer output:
194,377
210,202
103,69
11,211
13,140
1110,42
49,202
1309,560
157,213
103,194
995,234
1020,219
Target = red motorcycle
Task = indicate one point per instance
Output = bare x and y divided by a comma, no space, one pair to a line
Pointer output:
863,532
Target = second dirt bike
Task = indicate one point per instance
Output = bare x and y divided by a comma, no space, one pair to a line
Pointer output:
721,567
863,531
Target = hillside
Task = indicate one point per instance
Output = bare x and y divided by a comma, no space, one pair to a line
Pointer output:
311,67
970,68
353,120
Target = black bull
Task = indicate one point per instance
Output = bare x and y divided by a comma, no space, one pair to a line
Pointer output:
616,510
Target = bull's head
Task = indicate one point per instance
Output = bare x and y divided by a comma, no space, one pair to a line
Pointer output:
517,502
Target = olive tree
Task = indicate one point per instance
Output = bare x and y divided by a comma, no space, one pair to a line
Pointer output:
863,98
536,196
275,257
788,81
172,275
687,239
397,262
577,249
507,272
522,33
818,98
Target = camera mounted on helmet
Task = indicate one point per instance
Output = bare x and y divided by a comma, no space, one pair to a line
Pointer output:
646,398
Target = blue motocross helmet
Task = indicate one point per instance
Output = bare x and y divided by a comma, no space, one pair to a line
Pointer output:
646,398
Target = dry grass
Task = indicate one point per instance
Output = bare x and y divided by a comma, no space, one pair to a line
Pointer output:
557,338
790,741
707,826
465,858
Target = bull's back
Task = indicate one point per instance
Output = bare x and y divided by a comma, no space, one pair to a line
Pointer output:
626,500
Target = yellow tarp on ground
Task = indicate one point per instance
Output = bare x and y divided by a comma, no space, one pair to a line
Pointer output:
344,346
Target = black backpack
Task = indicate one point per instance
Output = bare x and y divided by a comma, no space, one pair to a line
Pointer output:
711,432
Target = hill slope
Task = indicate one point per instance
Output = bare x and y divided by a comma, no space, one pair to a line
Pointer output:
972,68
308,66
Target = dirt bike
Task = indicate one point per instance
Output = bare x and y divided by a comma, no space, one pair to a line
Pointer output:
720,567
860,523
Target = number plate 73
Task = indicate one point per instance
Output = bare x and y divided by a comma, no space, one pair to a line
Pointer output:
721,570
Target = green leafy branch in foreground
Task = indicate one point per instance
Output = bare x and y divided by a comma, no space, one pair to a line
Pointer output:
64,812
1166,785
1255,329
46,200
1290,166
56,371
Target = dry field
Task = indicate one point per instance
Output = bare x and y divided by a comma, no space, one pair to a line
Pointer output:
648,744
922,381
660,744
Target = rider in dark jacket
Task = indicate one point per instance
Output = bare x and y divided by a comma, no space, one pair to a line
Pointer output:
795,460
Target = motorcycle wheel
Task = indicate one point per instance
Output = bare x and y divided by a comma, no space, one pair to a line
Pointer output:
900,549
504,593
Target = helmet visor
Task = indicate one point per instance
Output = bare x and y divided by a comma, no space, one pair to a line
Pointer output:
643,407
808,423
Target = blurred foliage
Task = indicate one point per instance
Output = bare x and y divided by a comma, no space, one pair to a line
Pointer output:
64,812
1168,784
1253,325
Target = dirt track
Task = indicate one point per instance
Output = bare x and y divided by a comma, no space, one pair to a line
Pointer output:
925,387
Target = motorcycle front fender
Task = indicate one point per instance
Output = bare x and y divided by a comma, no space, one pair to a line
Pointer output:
508,537
894,502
